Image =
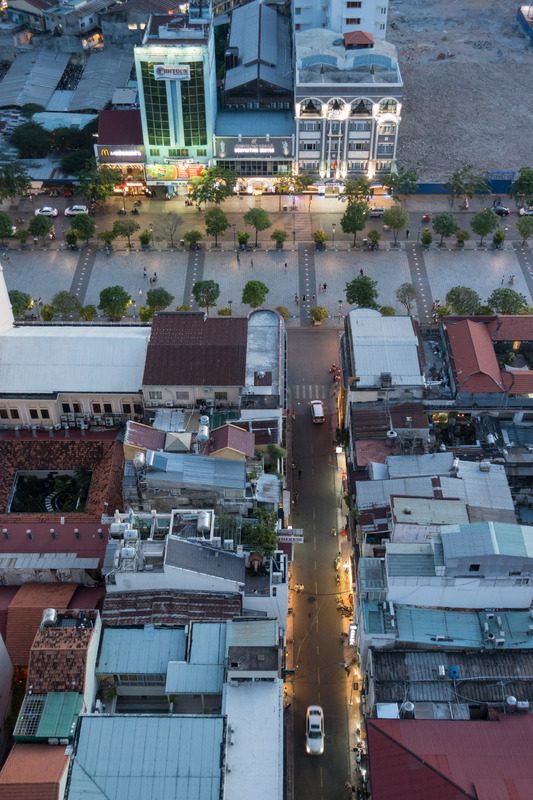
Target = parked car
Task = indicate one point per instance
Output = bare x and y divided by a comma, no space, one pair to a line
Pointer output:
501,211
377,211
317,411
46,211
526,212
314,731
73,210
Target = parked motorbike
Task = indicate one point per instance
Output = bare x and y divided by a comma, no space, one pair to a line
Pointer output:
334,368
122,211
134,210
426,218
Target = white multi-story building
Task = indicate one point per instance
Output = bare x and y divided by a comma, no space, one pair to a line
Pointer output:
342,16
348,94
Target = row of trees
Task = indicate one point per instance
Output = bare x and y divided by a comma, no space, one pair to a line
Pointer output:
483,223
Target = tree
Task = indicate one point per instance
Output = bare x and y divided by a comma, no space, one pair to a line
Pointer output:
507,301
524,226
88,313
98,182
466,182
206,293
14,180
47,312
355,218
259,535
279,236
407,295
125,227
254,294
462,237
31,140
84,225
184,307
387,311
159,299
362,291
216,222
192,237
214,185
257,218
357,189
374,236
107,237
426,238
284,312
168,224
402,183
397,219
293,184
65,303
6,226
242,237
71,238
75,162
29,109
445,224
463,301
114,302
318,313
484,222
320,236
522,187
40,226
20,302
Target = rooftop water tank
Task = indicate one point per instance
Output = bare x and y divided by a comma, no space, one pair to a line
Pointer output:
49,619
203,523
138,461
407,710
510,704
203,434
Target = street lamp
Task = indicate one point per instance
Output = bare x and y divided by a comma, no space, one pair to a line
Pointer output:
333,226
230,303
134,304
151,226
234,226
124,200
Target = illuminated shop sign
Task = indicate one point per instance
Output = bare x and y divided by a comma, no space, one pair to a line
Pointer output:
254,147
164,73
121,154
166,173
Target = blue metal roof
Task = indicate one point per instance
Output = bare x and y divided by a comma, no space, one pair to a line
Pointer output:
254,123
140,651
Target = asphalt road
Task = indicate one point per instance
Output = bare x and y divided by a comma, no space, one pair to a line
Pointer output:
319,654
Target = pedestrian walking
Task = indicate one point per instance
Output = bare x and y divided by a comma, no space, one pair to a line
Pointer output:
319,288
296,299
40,302
155,278
407,233
361,273
285,265
503,279
238,258
324,287
145,272
251,262
303,298
151,281
434,306
314,297
299,474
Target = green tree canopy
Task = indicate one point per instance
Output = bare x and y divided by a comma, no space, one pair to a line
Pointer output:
6,226
257,218
318,313
355,217
463,301
206,293
524,226
466,182
20,302
362,291
284,312
107,236
76,161
84,225
14,180
214,185
402,183
484,222
192,237
216,222
40,226
98,182
522,186
294,184
71,238
125,227
31,140
29,109
65,303
114,302
507,301
254,294
407,295
445,224
259,535
356,189
159,299
397,219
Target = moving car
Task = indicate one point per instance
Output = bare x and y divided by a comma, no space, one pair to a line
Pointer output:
377,211
73,210
501,211
314,731
46,211
317,411
526,212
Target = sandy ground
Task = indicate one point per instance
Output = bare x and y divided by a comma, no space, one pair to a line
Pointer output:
473,107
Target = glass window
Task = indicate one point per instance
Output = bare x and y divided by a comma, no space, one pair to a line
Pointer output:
156,106
34,414
45,414
97,408
108,408
76,408
182,395
14,413
126,408
3,413
155,395
354,21
221,395
155,152
65,408
193,107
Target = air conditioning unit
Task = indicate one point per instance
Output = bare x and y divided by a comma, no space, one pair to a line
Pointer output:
228,544
276,577
216,541
70,417
148,404
98,420
109,422
210,403
169,404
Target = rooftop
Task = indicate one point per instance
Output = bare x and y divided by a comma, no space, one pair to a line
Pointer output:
487,539
33,772
32,78
140,651
173,469
203,672
194,349
120,127
169,607
473,359
144,437
254,123
48,716
204,559
233,438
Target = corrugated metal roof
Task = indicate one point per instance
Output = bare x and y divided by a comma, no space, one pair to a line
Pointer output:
208,643
194,678
255,633
426,464
140,757
197,471
204,559
32,78
254,123
138,652
410,560
105,71
487,538
46,561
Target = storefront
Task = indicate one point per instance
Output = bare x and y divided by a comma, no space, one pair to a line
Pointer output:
258,160
173,177
120,145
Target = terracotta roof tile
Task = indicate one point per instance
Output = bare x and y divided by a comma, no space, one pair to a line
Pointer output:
474,361
513,328
58,659
168,607
144,436
358,37
33,772
233,437
265,431
192,349
25,613
518,381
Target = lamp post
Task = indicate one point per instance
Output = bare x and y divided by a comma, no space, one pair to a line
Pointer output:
230,303
418,234
134,304
151,226
140,297
124,200
333,226
234,225
340,309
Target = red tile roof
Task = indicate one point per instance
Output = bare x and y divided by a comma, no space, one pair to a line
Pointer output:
7,593
144,436
86,543
88,597
58,659
513,328
192,349
168,607
358,37
265,431
33,772
233,437
25,613
449,760
473,359
120,127
518,381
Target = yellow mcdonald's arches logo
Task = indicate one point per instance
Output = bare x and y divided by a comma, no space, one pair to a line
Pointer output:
104,152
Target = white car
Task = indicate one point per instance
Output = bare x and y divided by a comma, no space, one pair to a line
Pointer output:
46,211
73,210
314,731
526,212
317,411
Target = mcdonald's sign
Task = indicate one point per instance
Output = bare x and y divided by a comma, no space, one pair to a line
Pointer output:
121,154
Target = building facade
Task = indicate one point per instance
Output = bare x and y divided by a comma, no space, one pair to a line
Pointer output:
342,16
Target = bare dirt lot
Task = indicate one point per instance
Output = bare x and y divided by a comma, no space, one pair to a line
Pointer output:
475,106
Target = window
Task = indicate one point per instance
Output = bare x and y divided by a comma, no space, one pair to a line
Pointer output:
154,152
176,152
473,568
65,408
108,408
361,126
388,105
126,408
221,395
309,126
353,21
203,151
182,395
361,146
76,408
155,395
383,10
34,414
385,149
193,107
353,5
3,413
297,11
521,582
14,413
297,27
132,27
97,408
155,99
45,414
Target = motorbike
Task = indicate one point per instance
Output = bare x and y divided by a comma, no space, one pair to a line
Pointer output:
122,211
134,210
426,218
20,220
138,203
333,368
